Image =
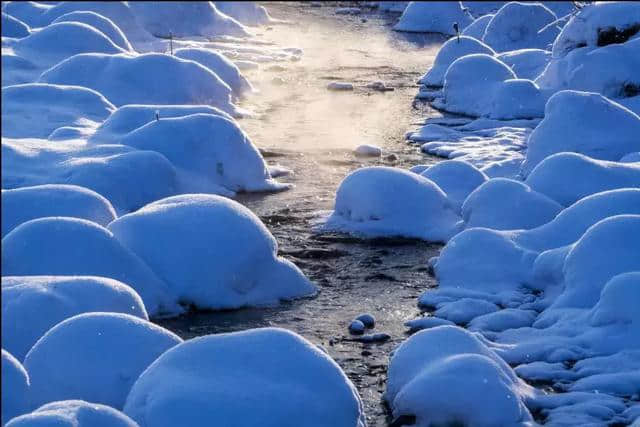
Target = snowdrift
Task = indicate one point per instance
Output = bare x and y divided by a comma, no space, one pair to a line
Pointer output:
433,17
100,23
77,413
15,388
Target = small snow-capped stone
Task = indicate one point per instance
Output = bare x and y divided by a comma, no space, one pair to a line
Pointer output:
368,150
340,86
356,327
379,337
367,319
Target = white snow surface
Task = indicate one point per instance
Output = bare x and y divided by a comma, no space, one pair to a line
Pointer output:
13,27
526,63
456,178
31,305
77,348
383,201
73,413
246,12
267,377
15,388
477,28
173,236
433,17
100,23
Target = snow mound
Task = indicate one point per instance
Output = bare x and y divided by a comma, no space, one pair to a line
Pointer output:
223,377
482,8
631,157
31,305
77,347
73,413
57,42
456,178
26,203
470,82
15,388
108,170
220,65
477,28
569,177
384,201
521,26
433,17
618,301
581,122
72,246
34,110
598,24
425,380
174,237
144,79
451,50
100,23
526,63
13,27
131,117
28,12
245,12
225,162
517,99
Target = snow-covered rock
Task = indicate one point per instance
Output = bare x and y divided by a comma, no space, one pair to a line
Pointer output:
477,28
429,369
520,26
269,377
483,8
100,23
246,12
34,110
367,150
598,24
356,327
585,123
470,83
76,413
144,79
517,99
569,177
63,40
433,17
631,157
28,12
13,27
211,154
456,178
31,305
383,201
451,50
220,65
26,203
526,63
173,236
131,117
339,86
16,398
70,361
72,246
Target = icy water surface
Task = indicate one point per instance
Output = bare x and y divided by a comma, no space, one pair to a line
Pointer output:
302,126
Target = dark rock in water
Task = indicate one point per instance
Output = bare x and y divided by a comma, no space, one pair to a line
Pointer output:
612,35
367,319
380,337
356,327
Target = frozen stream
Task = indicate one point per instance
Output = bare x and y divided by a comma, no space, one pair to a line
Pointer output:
302,126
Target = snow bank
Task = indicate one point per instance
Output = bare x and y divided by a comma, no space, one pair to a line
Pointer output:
34,110
598,24
477,28
108,170
470,81
100,23
26,203
185,19
220,65
456,178
521,25
71,246
506,204
13,27
526,63
173,236
433,17
225,162
586,123
245,12
263,376
57,42
383,201
517,99
76,413
131,117
428,371
451,50
144,79
77,346
568,177
31,305
15,388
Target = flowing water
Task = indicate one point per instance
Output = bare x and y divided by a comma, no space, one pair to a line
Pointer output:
302,126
